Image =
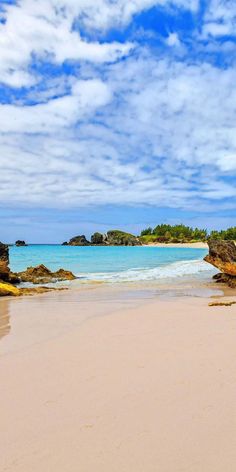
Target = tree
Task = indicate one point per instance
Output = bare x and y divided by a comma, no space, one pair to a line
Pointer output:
146,231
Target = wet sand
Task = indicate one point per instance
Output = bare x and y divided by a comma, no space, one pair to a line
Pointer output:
150,387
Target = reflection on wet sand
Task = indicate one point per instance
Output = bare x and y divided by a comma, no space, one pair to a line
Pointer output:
5,326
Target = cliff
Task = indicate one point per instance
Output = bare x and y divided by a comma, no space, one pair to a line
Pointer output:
222,255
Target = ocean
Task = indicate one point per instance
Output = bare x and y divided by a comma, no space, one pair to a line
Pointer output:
115,264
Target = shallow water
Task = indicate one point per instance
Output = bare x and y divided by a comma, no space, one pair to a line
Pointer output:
115,264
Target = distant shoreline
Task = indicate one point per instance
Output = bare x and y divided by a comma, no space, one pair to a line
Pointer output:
199,245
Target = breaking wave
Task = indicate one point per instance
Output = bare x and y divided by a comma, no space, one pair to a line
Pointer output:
173,270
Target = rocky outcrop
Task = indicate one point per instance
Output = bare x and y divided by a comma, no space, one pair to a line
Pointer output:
35,275
120,238
20,243
112,238
222,255
42,275
4,262
78,241
98,239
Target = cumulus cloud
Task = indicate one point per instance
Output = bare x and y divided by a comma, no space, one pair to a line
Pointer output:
160,137
131,126
51,29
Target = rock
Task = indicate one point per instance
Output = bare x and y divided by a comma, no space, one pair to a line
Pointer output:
13,279
222,254
120,238
113,238
98,239
221,303
65,243
4,262
7,289
79,241
230,280
39,290
42,275
20,243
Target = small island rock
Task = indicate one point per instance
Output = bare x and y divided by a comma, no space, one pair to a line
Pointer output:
120,238
79,241
98,239
20,243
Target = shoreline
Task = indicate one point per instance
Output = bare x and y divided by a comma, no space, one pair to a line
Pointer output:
148,387
199,245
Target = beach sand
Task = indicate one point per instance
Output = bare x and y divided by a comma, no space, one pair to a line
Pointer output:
199,245
148,388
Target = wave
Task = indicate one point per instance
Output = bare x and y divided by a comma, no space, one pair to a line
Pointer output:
173,270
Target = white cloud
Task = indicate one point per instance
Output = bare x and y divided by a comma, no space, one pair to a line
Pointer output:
142,130
59,113
153,132
45,29
173,39
220,18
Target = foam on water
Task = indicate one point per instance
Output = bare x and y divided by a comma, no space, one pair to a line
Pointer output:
169,271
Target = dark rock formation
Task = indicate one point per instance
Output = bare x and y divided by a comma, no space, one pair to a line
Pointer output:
112,238
42,275
120,238
222,254
20,243
230,280
98,239
79,241
4,262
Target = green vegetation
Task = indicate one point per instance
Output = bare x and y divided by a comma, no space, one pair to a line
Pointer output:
165,233
228,234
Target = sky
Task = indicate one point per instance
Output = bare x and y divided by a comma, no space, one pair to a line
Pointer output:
116,114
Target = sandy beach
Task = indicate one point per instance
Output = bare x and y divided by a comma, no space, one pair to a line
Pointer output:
146,386
199,245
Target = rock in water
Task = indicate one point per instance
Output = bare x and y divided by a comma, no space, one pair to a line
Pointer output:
78,241
98,239
120,238
4,262
42,275
20,243
222,254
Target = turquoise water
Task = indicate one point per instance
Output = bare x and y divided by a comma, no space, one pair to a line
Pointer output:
114,264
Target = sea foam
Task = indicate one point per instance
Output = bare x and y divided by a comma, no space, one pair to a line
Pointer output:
169,271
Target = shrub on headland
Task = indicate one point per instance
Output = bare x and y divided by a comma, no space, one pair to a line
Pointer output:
165,233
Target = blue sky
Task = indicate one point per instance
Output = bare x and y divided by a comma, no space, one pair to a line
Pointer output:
116,114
